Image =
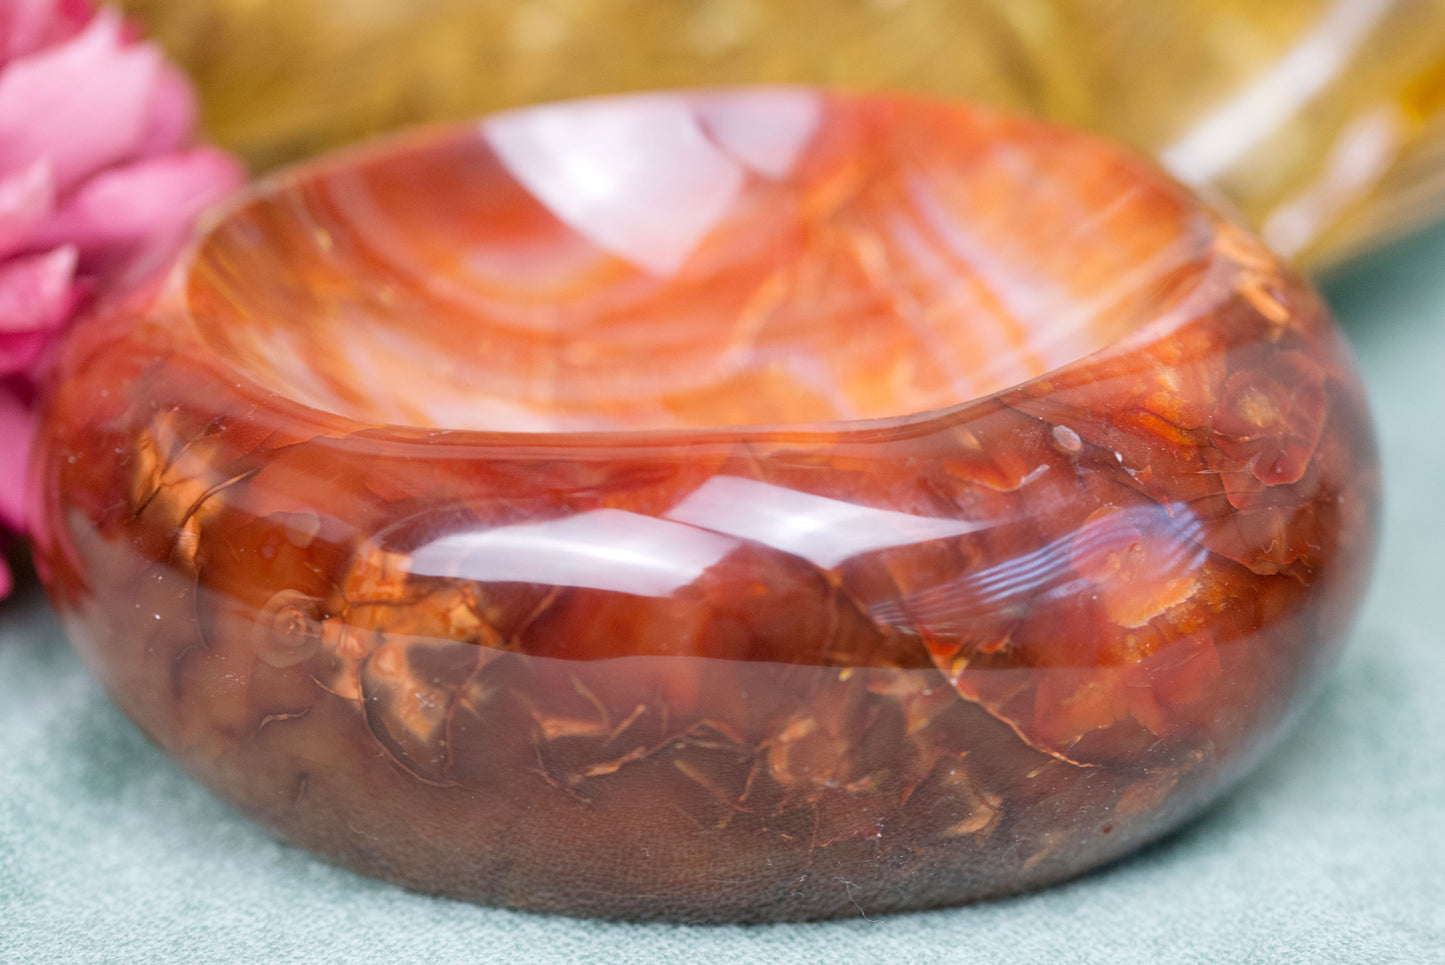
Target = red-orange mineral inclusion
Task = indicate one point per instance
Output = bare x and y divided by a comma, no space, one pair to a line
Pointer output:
736,506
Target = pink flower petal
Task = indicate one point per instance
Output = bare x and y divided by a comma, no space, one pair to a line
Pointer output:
83,104
172,114
26,197
28,25
21,350
36,292
140,213
17,428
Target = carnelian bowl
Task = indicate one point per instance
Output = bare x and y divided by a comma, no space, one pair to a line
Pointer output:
734,506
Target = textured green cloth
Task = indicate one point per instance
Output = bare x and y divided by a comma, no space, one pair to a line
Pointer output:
1334,851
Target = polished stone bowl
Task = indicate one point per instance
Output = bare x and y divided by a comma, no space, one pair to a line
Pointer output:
742,506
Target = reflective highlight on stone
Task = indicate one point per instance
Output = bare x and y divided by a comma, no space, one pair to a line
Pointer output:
741,507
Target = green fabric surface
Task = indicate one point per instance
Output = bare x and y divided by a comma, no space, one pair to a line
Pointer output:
1333,851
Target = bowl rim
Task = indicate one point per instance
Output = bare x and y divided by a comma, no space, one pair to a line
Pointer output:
1207,220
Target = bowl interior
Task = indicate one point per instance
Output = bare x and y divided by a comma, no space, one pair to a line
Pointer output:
668,260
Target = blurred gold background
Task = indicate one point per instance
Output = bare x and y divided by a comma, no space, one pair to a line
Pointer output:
1323,120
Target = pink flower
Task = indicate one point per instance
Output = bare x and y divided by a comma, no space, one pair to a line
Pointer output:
99,184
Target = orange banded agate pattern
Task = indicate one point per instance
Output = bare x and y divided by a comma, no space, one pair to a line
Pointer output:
736,506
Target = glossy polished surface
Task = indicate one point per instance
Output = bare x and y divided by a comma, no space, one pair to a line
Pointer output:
730,507
1323,121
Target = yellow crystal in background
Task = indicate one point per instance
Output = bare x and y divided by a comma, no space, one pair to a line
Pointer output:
1323,120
